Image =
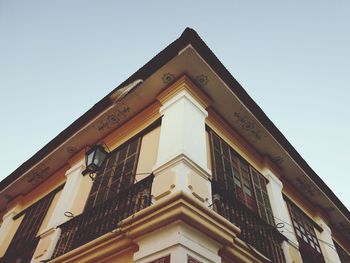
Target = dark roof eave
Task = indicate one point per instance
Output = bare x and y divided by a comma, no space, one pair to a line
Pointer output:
189,36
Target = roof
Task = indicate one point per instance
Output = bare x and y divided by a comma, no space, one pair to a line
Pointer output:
188,37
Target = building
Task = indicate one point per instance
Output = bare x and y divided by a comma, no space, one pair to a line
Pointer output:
195,172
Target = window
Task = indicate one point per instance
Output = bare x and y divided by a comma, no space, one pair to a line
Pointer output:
25,240
116,174
192,260
343,255
165,259
304,228
262,198
235,175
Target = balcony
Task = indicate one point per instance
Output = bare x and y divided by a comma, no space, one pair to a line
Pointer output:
20,251
104,217
254,231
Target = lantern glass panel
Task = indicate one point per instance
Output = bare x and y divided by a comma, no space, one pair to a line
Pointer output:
90,158
100,156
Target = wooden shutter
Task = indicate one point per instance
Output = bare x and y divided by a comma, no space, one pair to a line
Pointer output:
24,242
262,198
304,228
231,171
117,173
246,185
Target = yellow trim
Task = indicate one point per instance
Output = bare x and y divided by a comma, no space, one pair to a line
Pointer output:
299,201
105,246
132,127
231,137
123,133
184,83
51,183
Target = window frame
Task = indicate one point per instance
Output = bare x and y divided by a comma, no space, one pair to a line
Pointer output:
304,228
25,239
249,201
139,136
102,189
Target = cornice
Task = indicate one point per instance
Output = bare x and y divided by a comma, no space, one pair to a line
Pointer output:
184,83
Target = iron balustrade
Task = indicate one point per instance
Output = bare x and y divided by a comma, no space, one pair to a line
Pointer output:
20,252
104,217
256,232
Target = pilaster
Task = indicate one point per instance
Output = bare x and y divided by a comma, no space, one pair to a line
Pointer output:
282,218
182,158
8,229
326,242
72,200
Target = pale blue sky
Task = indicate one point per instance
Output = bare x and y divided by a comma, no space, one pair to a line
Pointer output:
58,58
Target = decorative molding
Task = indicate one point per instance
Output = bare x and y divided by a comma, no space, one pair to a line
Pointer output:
248,126
277,159
168,77
71,149
305,187
202,80
233,137
184,83
39,174
118,115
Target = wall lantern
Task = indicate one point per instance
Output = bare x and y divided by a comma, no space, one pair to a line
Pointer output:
94,158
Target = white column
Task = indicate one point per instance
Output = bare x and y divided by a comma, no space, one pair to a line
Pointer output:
8,229
75,191
282,217
326,242
72,199
183,129
181,160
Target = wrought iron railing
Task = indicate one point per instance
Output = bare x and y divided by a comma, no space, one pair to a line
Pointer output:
104,217
20,252
254,231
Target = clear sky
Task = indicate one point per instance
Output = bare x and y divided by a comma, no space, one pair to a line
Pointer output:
58,58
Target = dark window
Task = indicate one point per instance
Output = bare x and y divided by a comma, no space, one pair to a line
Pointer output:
231,171
116,174
165,259
304,228
343,255
25,240
262,198
235,175
192,260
